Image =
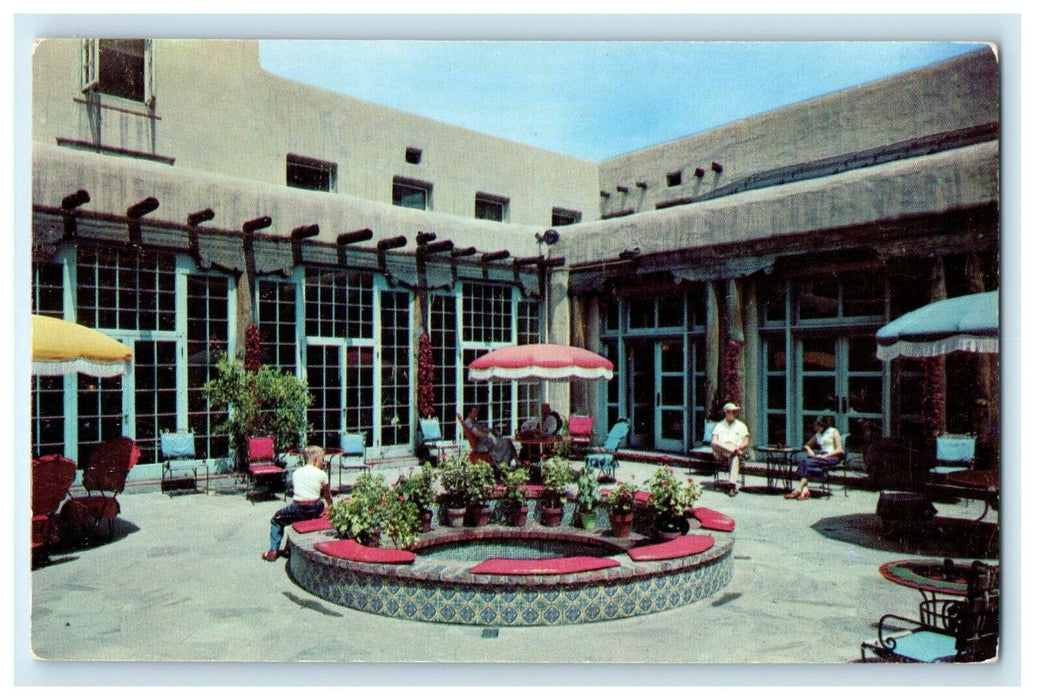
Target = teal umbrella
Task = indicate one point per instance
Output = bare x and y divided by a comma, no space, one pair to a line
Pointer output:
968,324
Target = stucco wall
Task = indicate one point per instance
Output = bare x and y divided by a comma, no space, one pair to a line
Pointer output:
220,113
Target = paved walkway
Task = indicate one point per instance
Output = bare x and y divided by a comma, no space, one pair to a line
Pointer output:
183,581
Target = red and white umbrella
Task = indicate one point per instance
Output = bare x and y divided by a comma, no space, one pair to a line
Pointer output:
541,361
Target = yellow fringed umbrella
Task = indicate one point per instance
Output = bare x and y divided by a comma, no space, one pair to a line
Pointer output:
61,347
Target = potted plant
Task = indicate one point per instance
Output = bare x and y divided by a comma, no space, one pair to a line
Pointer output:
586,498
620,508
362,516
669,499
481,481
556,476
417,487
452,473
513,499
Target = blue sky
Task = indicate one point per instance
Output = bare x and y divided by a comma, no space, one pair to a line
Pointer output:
592,99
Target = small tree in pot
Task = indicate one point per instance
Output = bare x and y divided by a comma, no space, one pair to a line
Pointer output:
557,474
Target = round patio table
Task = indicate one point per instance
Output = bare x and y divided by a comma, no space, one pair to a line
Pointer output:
780,460
983,479
931,577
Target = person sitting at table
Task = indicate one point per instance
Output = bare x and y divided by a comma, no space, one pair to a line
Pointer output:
310,489
547,425
730,441
824,452
499,448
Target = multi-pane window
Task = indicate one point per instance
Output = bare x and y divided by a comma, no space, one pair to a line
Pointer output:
338,304
395,400
48,395
487,313
155,396
565,217
490,207
492,399
125,290
119,68
208,332
100,411
413,194
277,322
528,322
443,354
323,374
310,173
358,392
855,294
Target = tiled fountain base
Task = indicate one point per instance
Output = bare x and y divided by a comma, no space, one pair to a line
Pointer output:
440,589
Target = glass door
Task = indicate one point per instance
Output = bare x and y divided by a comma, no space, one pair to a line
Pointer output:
842,377
670,401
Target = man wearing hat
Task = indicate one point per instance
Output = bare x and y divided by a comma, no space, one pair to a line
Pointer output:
730,440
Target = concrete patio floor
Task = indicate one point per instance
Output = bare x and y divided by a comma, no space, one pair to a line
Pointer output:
183,580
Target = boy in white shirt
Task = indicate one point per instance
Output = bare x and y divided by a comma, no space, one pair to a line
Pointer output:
310,489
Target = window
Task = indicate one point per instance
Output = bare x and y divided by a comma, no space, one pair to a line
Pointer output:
120,68
673,178
118,289
490,207
277,321
412,194
564,217
310,173
413,155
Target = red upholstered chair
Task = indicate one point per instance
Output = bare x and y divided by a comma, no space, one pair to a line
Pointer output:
52,475
104,478
580,429
472,440
264,476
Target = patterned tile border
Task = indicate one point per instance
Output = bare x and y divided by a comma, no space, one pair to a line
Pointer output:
437,590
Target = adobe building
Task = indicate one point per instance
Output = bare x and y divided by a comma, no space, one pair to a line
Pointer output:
181,193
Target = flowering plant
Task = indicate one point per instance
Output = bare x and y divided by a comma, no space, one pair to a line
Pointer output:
452,473
669,497
556,477
374,508
621,498
480,480
417,486
514,481
425,378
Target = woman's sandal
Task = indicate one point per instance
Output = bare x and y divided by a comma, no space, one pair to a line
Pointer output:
792,494
803,496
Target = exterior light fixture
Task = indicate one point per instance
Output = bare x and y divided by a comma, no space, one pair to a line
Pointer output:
76,199
145,206
354,236
549,237
256,224
198,217
301,232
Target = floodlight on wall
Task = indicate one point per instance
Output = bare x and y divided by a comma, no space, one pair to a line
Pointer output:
425,237
302,232
395,242
497,255
464,252
700,172
198,217
76,199
549,237
622,188
256,224
630,253
358,236
145,206
717,167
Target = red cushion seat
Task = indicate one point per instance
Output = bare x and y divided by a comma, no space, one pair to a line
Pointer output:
352,551
313,525
78,510
712,519
683,546
536,567
261,469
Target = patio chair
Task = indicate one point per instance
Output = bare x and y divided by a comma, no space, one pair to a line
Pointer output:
104,478
580,429
472,440
702,452
948,630
954,453
263,476
52,475
178,452
353,455
433,445
604,458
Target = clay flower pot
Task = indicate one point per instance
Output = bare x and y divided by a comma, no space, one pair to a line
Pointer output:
620,523
455,516
478,515
551,515
516,515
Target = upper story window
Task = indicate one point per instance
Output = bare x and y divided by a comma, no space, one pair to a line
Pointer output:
490,207
119,68
310,173
413,194
564,217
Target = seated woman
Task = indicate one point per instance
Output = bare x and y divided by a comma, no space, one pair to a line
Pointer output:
501,449
824,451
547,425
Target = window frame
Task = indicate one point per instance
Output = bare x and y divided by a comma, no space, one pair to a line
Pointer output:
417,186
90,72
484,199
326,167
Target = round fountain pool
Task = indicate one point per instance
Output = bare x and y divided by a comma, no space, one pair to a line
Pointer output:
439,587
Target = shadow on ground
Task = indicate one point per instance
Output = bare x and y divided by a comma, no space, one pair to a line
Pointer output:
940,537
77,539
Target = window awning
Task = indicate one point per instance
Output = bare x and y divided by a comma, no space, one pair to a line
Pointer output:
706,269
